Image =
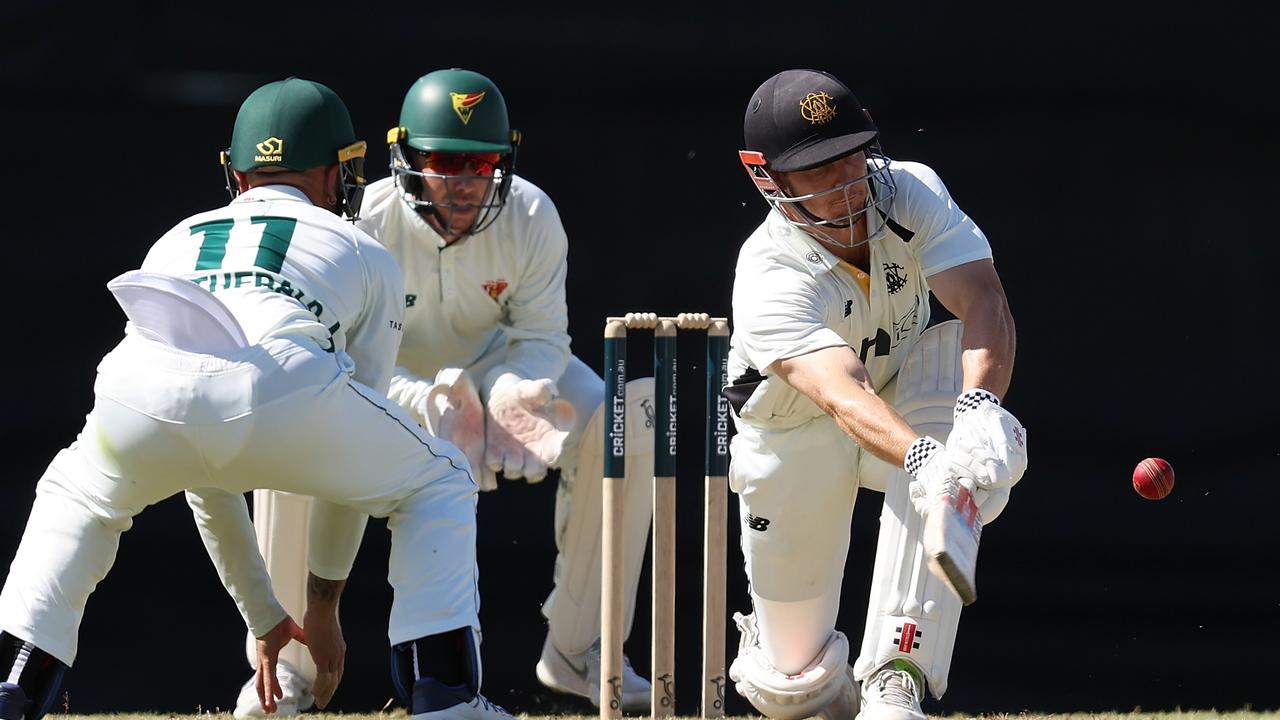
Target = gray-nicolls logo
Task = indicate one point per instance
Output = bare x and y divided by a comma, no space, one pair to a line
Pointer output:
718,681
813,257
893,277
650,415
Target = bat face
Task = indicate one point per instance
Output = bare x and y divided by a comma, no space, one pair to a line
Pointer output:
952,531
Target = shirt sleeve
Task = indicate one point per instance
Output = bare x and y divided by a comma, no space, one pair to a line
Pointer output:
223,521
374,340
945,236
779,313
537,314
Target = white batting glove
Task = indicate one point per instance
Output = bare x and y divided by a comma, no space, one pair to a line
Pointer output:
938,471
526,428
990,435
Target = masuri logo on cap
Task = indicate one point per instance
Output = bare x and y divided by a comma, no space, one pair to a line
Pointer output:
270,150
464,103
817,108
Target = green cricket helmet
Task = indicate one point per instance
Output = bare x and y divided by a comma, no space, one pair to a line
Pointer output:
297,124
454,119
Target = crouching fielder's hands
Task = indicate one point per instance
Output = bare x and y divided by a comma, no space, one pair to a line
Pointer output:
327,646
991,436
526,428
268,647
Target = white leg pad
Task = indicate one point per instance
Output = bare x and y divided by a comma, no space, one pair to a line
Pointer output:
573,607
282,522
825,688
912,615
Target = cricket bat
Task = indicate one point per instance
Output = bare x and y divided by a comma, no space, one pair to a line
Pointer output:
952,531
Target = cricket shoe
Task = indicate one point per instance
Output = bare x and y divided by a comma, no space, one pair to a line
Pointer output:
433,700
13,702
579,674
892,693
297,695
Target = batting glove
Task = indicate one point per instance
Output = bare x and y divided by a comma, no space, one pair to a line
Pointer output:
937,471
991,436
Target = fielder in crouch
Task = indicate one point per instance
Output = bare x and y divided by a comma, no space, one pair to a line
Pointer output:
485,363
260,343
838,382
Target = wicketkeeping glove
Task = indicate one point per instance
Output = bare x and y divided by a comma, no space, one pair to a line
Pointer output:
991,436
526,428
453,411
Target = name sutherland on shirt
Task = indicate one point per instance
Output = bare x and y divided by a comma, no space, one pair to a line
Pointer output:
240,278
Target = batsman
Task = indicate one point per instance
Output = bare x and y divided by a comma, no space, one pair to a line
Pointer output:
839,382
485,363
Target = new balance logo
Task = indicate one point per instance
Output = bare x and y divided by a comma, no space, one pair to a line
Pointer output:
848,307
758,524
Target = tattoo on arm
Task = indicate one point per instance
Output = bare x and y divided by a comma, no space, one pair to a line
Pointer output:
321,590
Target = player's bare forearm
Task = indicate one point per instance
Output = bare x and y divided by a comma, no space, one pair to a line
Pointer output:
988,346
974,293
874,424
323,593
838,383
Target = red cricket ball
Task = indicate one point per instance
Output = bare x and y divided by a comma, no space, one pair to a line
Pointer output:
1153,478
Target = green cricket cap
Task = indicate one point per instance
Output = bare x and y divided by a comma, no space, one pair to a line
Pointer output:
293,123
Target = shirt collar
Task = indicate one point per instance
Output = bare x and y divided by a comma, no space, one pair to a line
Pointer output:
811,253
266,193
416,219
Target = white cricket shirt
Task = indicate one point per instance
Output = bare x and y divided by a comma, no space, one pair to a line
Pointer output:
501,290
792,296
286,267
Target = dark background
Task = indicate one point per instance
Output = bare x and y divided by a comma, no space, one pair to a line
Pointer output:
1121,160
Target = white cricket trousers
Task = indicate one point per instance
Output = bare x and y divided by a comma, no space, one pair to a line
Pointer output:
283,415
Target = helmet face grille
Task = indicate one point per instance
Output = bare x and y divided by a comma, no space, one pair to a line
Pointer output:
412,184
881,190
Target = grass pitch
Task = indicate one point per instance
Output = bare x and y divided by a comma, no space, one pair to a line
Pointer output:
401,715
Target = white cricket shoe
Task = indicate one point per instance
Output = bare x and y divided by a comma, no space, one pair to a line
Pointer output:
297,695
453,702
892,693
580,675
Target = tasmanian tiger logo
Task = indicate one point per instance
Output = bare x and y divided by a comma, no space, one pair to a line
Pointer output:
494,288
